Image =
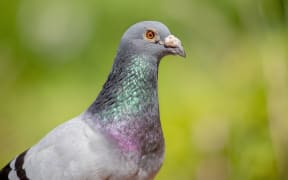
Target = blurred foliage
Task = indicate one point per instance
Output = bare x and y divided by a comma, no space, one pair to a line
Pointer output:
223,108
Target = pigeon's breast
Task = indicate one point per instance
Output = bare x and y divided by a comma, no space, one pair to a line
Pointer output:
139,142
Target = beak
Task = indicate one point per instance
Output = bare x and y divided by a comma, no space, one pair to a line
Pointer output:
175,45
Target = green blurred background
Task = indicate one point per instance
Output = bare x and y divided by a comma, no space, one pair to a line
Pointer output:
224,108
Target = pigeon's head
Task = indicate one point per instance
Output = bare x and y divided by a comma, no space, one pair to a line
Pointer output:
151,38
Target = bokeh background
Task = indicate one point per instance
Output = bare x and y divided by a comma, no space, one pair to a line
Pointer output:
224,108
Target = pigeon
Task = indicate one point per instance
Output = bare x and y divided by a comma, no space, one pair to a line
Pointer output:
119,136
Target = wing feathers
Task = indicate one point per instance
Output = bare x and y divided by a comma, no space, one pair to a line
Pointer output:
14,169
5,172
19,166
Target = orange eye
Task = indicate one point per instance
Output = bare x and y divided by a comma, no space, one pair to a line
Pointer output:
150,34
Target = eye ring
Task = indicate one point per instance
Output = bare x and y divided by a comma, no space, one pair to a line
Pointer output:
150,34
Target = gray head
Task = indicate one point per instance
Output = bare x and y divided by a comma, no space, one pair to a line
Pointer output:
151,38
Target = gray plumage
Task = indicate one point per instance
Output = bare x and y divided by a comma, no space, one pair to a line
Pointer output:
120,134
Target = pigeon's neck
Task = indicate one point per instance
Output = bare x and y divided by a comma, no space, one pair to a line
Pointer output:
130,90
127,107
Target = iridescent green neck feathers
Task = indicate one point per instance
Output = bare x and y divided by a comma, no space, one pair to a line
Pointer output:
129,92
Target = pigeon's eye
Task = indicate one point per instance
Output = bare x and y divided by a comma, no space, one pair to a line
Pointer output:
150,34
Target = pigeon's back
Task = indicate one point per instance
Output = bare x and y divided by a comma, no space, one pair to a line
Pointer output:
74,151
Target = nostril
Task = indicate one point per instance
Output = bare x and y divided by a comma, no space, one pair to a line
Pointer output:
160,42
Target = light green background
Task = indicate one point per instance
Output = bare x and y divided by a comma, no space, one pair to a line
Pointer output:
223,109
